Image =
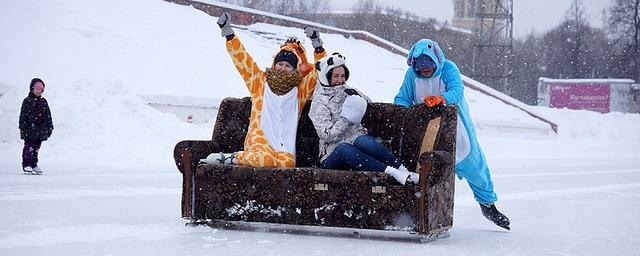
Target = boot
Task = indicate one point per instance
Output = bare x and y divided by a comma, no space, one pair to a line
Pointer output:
221,158
413,177
399,175
491,213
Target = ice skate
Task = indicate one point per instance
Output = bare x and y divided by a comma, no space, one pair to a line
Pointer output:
37,171
27,170
495,216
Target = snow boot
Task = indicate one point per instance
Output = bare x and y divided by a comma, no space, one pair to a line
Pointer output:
399,175
221,158
27,170
413,177
37,170
491,213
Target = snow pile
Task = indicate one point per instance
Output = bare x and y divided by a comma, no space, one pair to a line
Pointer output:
584,124
100,124
581,134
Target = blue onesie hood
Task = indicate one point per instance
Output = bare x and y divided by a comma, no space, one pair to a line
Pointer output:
429,48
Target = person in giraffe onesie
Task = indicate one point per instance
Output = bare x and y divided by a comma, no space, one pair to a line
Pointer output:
277,98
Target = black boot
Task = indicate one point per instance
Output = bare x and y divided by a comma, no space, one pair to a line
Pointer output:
492,214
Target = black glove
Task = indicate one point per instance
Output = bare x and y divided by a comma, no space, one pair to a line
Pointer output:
314,35
350,92
224,23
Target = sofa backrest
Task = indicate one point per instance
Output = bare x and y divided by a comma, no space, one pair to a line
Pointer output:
307,147
400,129
232,124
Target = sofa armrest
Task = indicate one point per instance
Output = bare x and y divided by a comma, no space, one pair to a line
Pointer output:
433,164
437,186
187,153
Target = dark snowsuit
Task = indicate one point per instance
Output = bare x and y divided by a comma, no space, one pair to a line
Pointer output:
35,125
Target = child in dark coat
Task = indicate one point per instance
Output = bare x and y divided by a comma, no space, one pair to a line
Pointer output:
35,125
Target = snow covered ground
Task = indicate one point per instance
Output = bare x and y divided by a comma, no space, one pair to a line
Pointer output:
110,186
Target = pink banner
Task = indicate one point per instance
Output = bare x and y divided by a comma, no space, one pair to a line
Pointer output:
591,96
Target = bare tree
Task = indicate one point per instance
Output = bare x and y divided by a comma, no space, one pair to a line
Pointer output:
575,27
624,22
527,67
313,9
367,7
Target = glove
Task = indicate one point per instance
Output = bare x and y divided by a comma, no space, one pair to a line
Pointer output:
353,108
23,134
350,91
224,24
432,101
314,35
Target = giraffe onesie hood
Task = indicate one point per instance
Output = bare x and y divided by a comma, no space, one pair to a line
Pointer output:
270,140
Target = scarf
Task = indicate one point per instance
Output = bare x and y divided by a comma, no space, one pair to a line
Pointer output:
282,82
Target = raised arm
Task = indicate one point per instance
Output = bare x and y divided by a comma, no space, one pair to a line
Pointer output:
309,80
243,62
308,84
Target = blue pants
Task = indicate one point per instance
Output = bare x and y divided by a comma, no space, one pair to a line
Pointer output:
475,170
366,154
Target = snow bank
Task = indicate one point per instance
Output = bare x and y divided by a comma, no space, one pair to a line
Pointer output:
100,123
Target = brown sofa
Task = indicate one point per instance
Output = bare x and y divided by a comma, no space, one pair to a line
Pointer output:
422,138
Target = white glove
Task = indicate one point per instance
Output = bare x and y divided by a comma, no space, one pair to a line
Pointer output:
224,22
314,35
353,108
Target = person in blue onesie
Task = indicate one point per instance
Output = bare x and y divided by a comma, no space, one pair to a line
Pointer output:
434,80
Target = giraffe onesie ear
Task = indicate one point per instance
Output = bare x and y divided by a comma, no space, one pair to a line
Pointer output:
297,48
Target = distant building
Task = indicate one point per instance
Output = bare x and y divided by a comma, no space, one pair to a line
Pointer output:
600,95
464,14
493,13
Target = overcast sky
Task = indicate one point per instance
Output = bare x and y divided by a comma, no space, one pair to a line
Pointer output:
528,15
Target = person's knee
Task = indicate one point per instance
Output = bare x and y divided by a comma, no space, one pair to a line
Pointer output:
365,140
472,174
343,147
346,150
477,181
